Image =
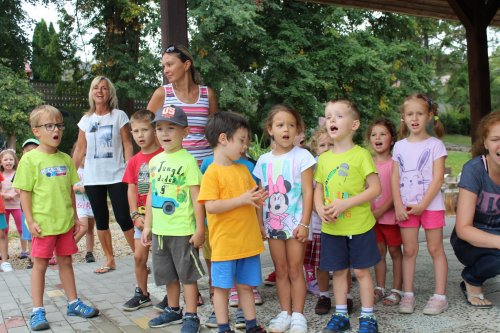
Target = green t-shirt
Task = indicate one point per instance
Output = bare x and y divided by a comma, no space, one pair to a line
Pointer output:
344,176
49,178
171,175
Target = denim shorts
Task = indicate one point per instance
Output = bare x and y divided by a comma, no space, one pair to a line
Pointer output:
244,271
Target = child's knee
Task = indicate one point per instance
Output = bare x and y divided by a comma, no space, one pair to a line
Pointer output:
362,273
410,251
435,250
395,252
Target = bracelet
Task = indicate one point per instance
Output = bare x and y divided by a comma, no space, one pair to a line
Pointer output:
305,226
134,214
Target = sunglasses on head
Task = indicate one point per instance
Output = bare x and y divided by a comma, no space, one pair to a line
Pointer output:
173,49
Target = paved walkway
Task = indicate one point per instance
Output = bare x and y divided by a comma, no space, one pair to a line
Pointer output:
109,291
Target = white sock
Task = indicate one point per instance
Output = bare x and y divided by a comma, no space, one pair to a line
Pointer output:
440,297
408,294
39,308
324,293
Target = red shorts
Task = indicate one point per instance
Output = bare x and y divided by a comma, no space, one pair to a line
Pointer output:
313,248
430,219
62,245
388,234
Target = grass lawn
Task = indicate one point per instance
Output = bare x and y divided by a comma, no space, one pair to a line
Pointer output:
462,140
456,160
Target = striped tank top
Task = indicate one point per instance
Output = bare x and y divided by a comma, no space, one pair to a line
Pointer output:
197,113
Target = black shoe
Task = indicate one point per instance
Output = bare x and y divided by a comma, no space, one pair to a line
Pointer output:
89,257
138,301
162,305
30,264
256,329
323,305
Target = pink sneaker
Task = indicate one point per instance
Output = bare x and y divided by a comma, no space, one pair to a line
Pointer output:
234,299
312,287
435,306
407,304
257,297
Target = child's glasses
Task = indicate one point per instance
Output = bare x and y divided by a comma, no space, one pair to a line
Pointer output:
51,127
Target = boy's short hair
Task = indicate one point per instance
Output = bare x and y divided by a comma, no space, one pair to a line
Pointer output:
224,122
37,113
143,115
350,105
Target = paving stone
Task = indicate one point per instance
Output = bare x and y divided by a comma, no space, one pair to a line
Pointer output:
16,321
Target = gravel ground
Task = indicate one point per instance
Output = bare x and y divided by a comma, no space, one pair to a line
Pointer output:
120,246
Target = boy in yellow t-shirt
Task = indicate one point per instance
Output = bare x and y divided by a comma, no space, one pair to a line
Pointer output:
46,177
231,197
346,182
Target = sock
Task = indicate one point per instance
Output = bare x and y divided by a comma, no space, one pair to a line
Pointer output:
309,273
250,323
39,308
440,297
366,311
190,314
408,294
73,301
324,293
224,327
341,309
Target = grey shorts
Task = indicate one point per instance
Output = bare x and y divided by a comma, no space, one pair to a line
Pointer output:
175,259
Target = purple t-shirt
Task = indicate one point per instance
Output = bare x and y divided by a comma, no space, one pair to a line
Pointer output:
476,180
415,161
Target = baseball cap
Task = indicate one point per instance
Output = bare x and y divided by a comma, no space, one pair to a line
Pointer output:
172,114
32,140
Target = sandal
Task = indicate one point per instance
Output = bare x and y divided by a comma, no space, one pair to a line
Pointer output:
104,269
378,294
393,298
479,296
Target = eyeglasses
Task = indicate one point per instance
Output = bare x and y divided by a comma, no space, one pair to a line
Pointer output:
173,49
51,127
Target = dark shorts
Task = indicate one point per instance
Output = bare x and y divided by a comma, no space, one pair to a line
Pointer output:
342,252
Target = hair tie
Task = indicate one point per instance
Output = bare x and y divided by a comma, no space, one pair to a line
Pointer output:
436,118
430,103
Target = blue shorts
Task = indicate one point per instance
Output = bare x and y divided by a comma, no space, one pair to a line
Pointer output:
137,233
3,222
26,232
244,271
342,252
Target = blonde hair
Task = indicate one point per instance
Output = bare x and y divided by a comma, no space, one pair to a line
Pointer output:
143,115
13,154
350,106
37,113
314,141
483,130
113,99
437,128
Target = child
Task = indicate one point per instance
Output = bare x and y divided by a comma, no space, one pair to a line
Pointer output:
45,177
286,173
4,240
476,236
346,183
230,196
8,165
417,176
175,218
85,216
137,177
233,296
382,135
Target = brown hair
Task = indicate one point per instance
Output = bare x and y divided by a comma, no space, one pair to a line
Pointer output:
313,143
437,125
182,52
483,130
387,124
350,105
268,122
143,115
11,152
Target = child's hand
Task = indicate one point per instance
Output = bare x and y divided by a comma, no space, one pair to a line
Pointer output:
254,197
139,222
336,208
197,239
301,233
415,210
146,237
401,213
377,213
35,230
323,215
76,228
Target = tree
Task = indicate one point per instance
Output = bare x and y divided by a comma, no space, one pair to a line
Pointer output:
47,58
14,47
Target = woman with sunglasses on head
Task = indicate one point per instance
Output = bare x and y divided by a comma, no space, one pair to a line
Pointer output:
104,141
185,90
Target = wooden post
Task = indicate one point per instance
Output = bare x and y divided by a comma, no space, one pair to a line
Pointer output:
476,16
173,16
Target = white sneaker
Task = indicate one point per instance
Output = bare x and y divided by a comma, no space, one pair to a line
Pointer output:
6,267
298,323
280,323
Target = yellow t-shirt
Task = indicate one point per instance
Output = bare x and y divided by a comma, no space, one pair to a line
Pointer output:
343,176
234,234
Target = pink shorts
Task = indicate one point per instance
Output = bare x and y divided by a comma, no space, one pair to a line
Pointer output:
62,245
388,234
430,219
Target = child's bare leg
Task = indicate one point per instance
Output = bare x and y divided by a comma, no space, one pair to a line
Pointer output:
220,305
323,280
410,251
436,250
279,256
38,280
90,239
208,262
247,304
365,287
67,276
4,245
340,286
141,269
83,223
190,297
381,266
397,266
129,236
174,294
295,258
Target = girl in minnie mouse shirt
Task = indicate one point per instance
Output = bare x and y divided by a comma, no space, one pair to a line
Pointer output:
286,173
